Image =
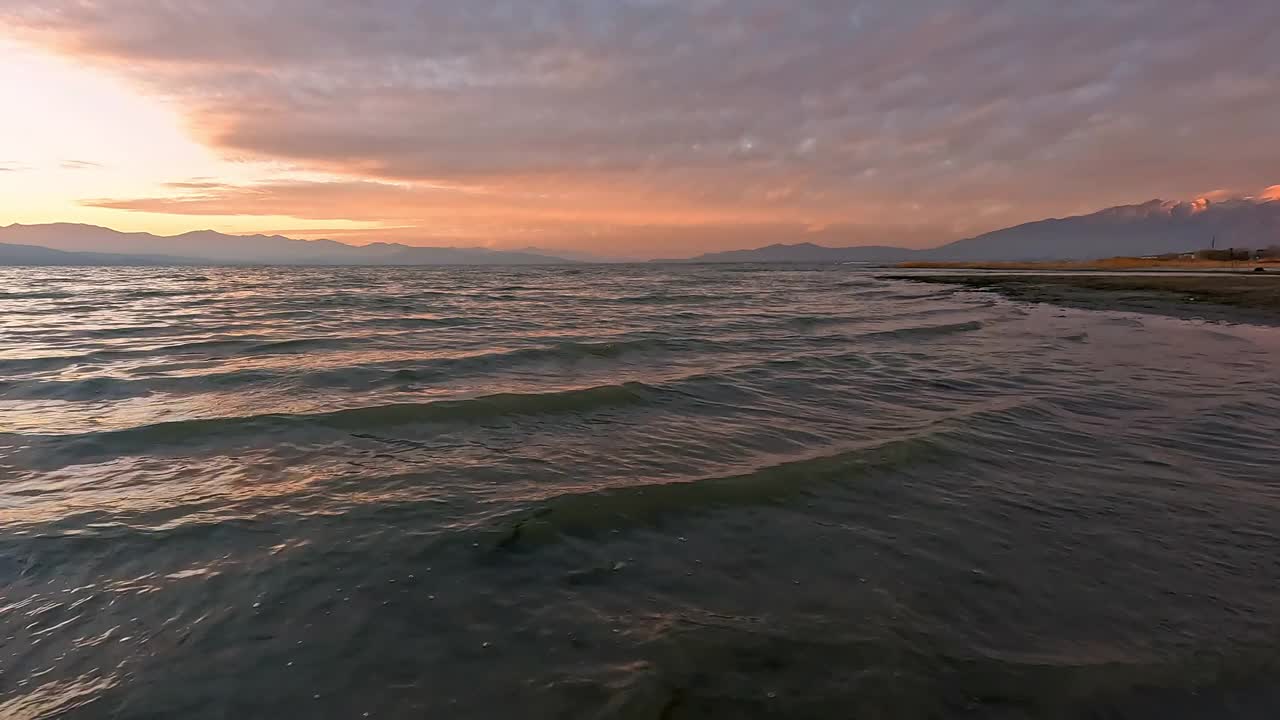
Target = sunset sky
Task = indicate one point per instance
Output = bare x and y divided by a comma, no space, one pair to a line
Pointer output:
628,127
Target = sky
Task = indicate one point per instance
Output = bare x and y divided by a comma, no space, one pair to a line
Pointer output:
628,128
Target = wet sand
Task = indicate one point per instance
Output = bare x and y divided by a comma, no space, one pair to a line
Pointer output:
1230,297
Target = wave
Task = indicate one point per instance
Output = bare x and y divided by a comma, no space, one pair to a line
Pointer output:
300,345
592,511
490,406
576,513
453,367
830,668
813,321
138,331
144,294
927,330
859,282
36,295
210,348
609,508
148,438
399,374
605,349
352,376
665,299
910,292
410,323
811,351
242,346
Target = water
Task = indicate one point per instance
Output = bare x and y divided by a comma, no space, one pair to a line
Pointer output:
626,492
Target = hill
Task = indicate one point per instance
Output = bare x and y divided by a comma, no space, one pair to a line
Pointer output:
804,253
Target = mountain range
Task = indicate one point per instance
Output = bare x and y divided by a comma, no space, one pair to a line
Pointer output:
1150,228
11,254
209,247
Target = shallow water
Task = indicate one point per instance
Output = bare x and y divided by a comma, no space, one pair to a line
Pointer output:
617,492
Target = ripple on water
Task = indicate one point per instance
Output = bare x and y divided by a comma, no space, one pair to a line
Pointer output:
625,491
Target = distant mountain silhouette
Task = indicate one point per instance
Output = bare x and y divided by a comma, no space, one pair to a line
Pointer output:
207,246
34,255
1150,228
576,255
806,252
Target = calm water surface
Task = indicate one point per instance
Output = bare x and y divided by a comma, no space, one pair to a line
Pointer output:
626,492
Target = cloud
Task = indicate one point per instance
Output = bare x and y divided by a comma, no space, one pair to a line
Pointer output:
826,111
313,200
79,165
13,166
434,215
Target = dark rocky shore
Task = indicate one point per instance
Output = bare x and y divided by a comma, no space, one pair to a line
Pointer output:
1232,297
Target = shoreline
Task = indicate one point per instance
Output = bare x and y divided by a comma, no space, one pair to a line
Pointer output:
1125,264
1227,297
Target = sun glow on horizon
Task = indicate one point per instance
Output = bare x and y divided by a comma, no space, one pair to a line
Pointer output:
72,133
